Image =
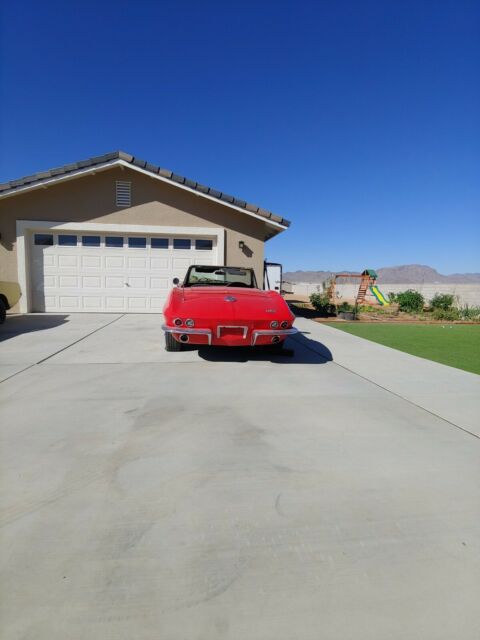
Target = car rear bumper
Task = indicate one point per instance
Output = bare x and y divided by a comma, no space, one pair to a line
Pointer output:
257,336
189,332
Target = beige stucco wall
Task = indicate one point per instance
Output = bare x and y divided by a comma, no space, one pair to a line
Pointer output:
92,199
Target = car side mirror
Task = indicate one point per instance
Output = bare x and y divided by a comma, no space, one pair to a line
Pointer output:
176,281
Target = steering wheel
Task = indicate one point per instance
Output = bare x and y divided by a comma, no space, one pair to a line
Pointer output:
237,284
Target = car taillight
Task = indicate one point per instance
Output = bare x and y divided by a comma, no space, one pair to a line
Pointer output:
177,322
285,324
189,323
274,324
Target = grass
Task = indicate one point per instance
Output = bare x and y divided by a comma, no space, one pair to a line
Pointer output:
456,345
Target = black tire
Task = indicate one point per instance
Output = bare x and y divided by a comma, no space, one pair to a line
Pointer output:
3,312
171,344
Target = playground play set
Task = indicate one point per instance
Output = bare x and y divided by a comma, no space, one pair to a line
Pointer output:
367,286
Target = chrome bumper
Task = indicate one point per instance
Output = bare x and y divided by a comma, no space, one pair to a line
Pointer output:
281,333
189,332
257,333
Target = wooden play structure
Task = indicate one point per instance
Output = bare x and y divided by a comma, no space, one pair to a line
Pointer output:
368,280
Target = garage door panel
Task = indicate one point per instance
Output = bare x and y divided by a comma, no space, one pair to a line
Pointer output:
71,282
114,304
92,282
92,303
137,303
162,264
76,278
114,262
69,302
159,283
114,282
181,263
68,261
134,262
92,262
157,304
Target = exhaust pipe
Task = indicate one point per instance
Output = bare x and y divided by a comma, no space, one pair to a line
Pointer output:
275,339
184,337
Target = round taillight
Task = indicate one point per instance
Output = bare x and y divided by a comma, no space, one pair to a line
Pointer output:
284,324
177,322
189,323
274,324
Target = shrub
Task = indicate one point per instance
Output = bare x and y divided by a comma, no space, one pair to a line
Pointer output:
321,303
442,301
392,297
446,314
410,301
345,306
470,313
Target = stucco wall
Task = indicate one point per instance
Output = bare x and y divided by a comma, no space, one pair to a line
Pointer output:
92,199
465,293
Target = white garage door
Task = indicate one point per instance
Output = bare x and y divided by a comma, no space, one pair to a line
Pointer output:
97,272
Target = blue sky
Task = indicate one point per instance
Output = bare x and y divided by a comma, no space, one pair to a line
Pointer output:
359,121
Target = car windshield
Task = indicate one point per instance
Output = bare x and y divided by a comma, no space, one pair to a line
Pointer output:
220,276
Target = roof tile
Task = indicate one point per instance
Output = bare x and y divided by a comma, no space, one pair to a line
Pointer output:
165,173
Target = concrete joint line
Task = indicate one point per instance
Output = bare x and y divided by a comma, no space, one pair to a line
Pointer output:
397,395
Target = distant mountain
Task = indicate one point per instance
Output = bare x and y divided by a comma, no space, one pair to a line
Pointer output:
403,274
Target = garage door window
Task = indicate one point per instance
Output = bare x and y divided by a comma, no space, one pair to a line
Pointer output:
114,241
91,241
182,243
67,241
137,243
44,239
159,243
203,245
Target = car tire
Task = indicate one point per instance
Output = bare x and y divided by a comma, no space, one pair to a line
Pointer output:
171,344
3,312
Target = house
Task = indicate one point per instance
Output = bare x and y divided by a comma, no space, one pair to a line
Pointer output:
110,233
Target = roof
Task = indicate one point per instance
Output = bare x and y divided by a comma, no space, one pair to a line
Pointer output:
121,157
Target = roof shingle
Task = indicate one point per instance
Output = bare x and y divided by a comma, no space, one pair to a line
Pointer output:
14,185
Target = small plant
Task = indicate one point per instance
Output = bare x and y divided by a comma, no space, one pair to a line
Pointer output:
446,314
321,303
410,301
442,301
392,297
345,306
470,313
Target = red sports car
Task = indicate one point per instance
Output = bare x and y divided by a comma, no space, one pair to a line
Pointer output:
223,306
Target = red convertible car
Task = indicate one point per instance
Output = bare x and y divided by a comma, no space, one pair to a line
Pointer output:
223,306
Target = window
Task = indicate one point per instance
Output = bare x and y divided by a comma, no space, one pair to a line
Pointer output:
137,243
219,276
114,241
44,239
67,241
159,243
123,193
182,243
91,241
204,245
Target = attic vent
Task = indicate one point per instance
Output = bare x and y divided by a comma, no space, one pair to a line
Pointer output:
123,193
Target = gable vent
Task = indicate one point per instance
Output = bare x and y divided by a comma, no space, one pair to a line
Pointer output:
123,193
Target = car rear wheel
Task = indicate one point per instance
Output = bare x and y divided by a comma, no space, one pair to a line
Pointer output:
3,312
171,344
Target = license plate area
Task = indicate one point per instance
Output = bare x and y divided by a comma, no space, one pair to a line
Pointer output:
230,331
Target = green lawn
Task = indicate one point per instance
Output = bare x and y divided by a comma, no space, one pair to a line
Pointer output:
457,345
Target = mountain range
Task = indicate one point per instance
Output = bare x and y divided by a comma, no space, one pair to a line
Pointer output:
402,274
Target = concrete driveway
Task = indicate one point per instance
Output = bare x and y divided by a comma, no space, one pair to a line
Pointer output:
233,495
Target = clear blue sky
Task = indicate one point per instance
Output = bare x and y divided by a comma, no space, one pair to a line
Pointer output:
358,120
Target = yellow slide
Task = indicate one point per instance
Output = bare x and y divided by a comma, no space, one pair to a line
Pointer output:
379,296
